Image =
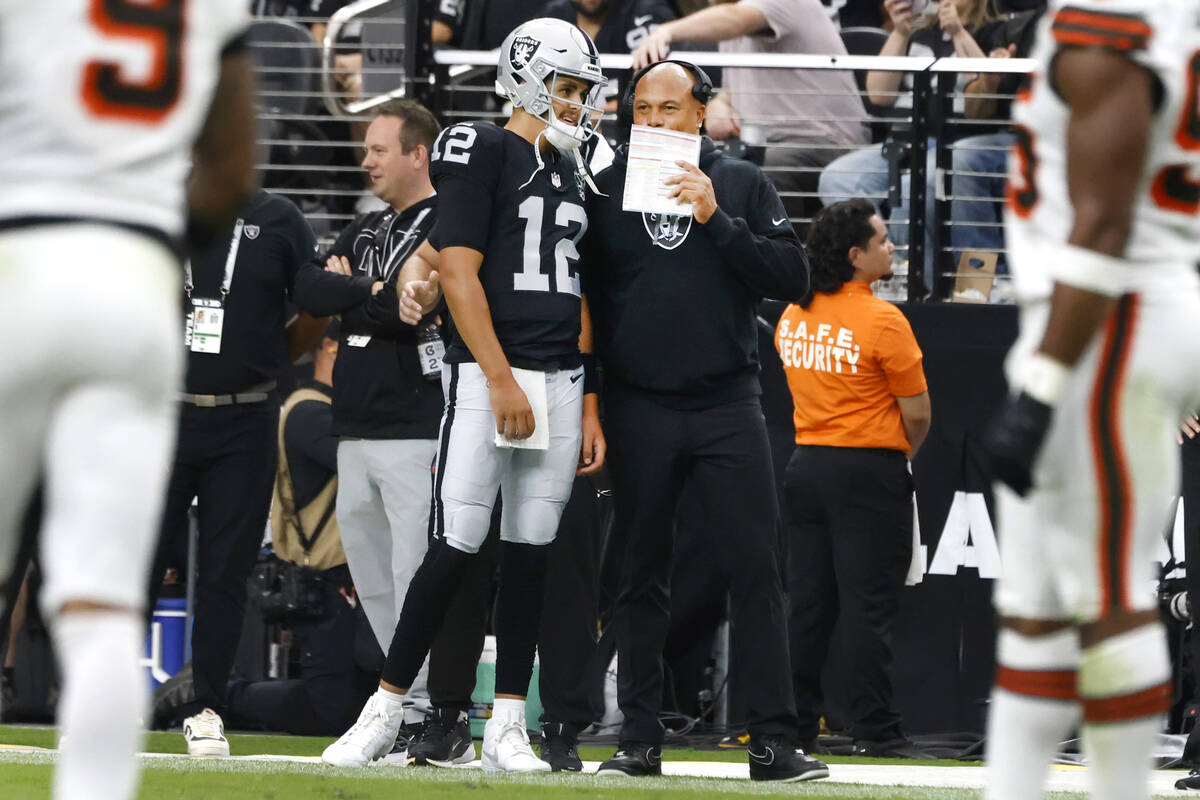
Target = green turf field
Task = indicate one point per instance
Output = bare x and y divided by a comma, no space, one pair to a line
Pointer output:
209,780
26,776
250,744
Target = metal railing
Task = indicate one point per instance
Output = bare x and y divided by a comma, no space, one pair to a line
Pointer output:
316,98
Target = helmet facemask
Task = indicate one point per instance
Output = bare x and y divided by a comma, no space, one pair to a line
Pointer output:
564,134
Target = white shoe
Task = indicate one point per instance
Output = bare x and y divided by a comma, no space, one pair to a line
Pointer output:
506,747
205,734
372,736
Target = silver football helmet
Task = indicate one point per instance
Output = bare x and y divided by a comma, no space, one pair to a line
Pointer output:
532,57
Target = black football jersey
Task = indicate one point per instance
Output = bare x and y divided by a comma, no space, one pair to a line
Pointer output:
527,222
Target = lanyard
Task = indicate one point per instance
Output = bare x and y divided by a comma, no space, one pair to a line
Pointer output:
230,263
388,266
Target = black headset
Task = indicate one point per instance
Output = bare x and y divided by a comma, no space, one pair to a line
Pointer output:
702,89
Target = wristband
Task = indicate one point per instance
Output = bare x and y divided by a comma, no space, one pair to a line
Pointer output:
1091,271
591,378
1043,378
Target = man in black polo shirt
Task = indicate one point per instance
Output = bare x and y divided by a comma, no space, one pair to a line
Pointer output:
387,399
238,342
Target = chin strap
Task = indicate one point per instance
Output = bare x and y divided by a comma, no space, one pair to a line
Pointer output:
585,173
537,153
581,167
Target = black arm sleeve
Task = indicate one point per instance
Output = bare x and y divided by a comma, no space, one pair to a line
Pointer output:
762,248
379,315
322,293
303,243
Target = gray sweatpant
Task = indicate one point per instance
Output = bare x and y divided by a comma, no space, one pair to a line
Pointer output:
384,491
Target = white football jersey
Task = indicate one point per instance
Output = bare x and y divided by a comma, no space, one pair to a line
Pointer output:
101,102
1164,37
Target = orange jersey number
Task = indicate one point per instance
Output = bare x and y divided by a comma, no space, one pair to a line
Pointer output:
159,25
1174,189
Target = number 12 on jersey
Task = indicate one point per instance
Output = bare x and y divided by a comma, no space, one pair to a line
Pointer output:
566,251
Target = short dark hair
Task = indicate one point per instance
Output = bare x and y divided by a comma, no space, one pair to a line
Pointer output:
418,125
834,230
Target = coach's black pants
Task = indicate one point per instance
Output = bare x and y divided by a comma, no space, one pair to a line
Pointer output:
849,518
570,680
226,459
724,453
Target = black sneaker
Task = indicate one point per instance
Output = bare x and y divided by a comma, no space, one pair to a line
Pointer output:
446,739
1192,781
409,734
559,747
171,696
634,759
8,693
898,747
773,758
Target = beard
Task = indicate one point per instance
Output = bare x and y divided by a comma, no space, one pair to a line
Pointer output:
594,10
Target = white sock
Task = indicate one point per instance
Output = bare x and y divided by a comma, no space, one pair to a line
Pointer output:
508,709
103,699
1032,710
392,703
1124,683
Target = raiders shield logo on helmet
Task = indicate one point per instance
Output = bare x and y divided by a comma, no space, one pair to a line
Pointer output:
522,50
667,230
251,231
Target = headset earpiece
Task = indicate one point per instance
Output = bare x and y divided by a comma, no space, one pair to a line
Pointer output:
702,90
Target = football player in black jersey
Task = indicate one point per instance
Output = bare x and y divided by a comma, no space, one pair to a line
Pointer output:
517,419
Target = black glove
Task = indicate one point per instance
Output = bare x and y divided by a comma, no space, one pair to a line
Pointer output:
1014,439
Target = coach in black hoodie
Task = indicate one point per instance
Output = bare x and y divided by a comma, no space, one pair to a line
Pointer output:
673,301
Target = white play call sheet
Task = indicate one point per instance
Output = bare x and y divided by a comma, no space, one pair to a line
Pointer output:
652,156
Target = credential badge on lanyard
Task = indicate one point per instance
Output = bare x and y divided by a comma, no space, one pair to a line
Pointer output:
206,316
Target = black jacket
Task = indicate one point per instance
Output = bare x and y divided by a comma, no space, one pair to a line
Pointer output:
674,302
378,389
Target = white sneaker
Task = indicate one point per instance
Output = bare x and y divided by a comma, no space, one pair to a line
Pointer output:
506,747
370,737
205,734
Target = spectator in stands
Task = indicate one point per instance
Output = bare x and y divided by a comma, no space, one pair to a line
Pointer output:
616,26
961,28
480,24
804,118
312,13
447,22
386,401
861,407
856,13
238,344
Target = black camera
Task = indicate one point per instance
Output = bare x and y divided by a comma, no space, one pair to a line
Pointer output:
1173,599
289,592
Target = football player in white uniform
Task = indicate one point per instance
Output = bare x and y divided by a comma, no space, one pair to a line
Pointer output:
101,103
1104,237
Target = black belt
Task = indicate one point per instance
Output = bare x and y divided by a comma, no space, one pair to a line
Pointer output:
255,394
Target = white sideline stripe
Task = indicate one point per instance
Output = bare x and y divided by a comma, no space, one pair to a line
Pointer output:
1061,779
